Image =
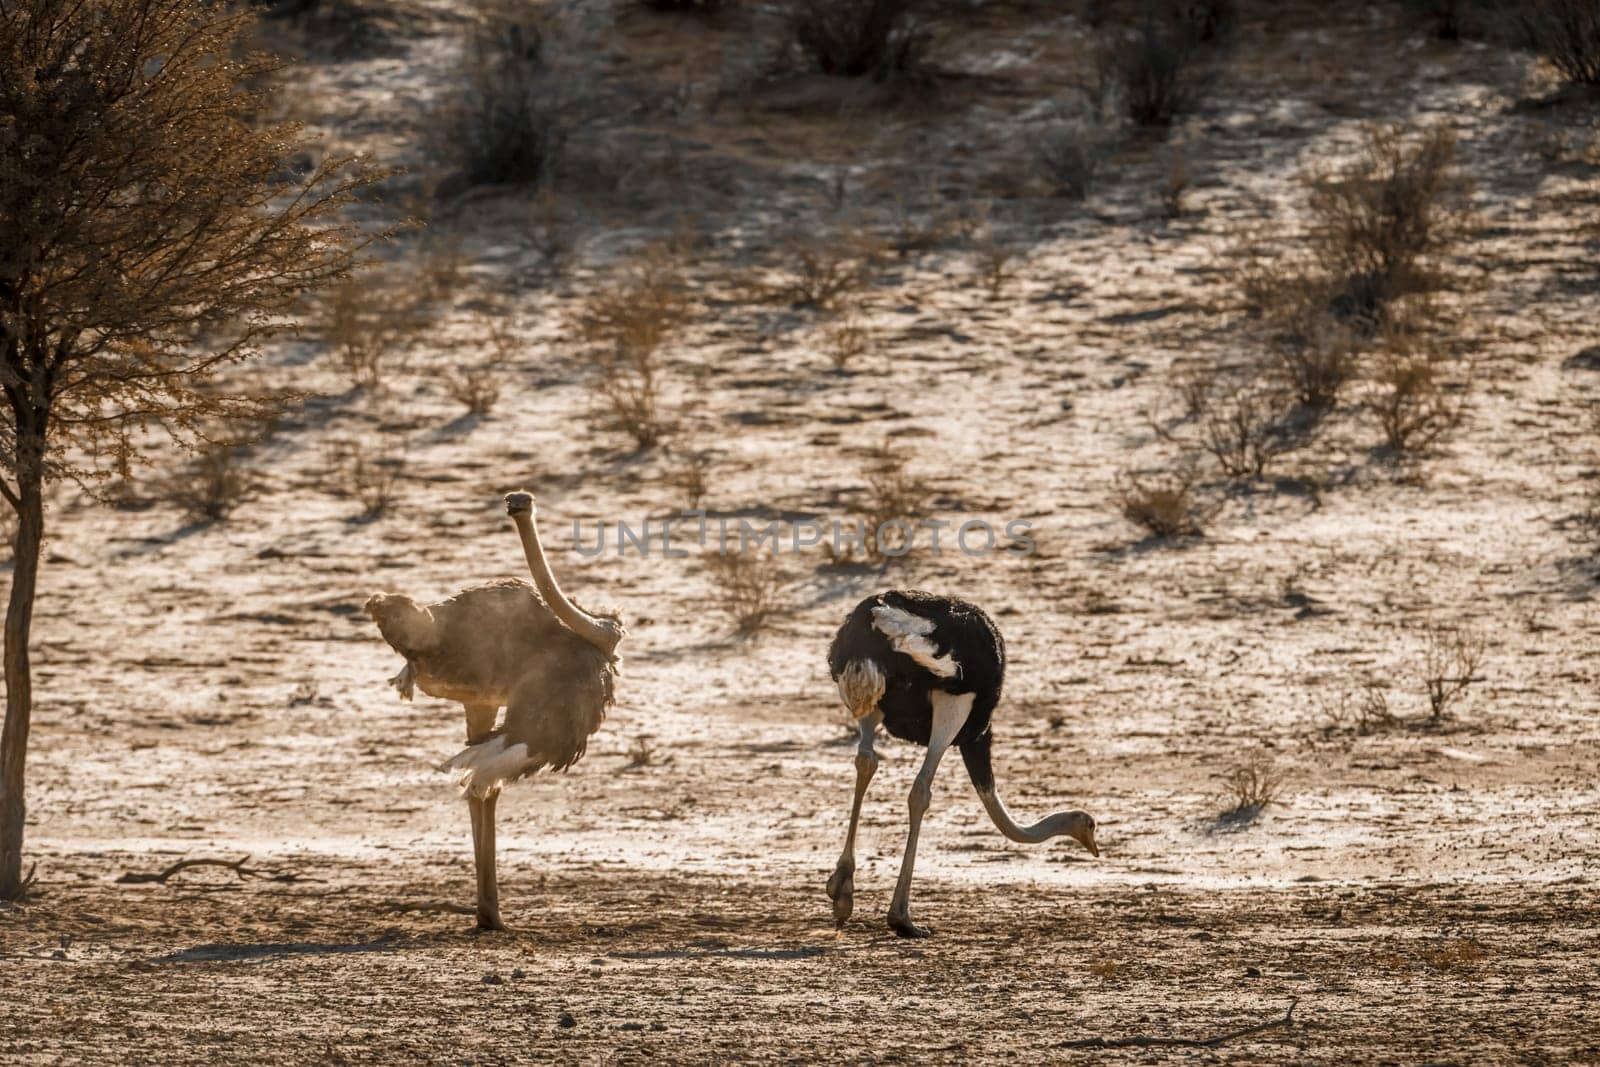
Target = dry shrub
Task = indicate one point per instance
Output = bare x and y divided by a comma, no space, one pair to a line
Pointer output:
1459,954
1251,787
994,263
625,325
701,7
1377,220
846,337
822,268
642,753
691,474
1363,715
749,589
211,484
1316,362
1176,182
1248,427
856,38
1450,660
1166,506
1410,396
476,385
368,320
894,495
1566,33
368,474
1157,70
1071,155
512,113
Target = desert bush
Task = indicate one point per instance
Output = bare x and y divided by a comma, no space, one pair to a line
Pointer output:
894,496
476,385
625,324
821,268
1450,659
368,320
749,589
690,474
1251,787
212,483
994,263
1566,33
1157,70
1316,362
1375,221
1176,182
510,117
1071,155
1363,715
1410,397
1247,427
856,38
1164,507
846,337
368,474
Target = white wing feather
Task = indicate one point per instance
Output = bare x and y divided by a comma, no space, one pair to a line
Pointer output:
908,633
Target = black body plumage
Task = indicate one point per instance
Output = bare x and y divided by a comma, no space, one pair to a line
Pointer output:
960,630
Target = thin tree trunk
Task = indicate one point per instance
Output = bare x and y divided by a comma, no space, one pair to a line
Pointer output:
19,680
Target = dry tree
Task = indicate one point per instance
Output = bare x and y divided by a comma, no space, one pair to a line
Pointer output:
145,197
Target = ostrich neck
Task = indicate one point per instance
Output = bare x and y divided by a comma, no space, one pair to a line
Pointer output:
1028,835
586,626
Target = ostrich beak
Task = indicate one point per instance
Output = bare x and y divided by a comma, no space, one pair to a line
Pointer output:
1087,841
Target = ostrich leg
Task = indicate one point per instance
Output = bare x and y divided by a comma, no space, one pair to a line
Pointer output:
842,886
949,715
480,721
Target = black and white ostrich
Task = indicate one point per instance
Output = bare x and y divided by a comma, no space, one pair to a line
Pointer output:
929,669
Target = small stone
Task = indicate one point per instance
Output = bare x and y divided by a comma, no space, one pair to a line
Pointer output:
493,979
631,1026
566,1022
516,972
1252,972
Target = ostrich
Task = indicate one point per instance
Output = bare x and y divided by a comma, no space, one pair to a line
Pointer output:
551,664
929,669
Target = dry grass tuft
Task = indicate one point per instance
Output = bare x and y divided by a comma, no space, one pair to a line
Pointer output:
820,269
1247,427
1165,507
1458,954
368,320
846,338
896,499
1157,69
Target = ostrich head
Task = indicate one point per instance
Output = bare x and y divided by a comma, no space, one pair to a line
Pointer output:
1078,825
405,625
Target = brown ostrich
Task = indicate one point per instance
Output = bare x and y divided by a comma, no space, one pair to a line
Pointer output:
504,643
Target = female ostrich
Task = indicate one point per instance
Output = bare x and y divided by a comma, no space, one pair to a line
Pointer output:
551,664
929,668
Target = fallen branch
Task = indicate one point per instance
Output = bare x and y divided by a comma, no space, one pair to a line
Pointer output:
236,866
1141,1041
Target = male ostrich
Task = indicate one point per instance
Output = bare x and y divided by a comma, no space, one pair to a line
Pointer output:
551,664
929,668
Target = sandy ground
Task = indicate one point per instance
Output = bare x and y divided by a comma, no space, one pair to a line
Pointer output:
1418,895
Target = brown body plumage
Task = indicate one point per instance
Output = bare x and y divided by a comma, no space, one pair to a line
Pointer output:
500,644
507,644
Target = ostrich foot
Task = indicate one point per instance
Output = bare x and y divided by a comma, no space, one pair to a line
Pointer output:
841,889
489,921
900,922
